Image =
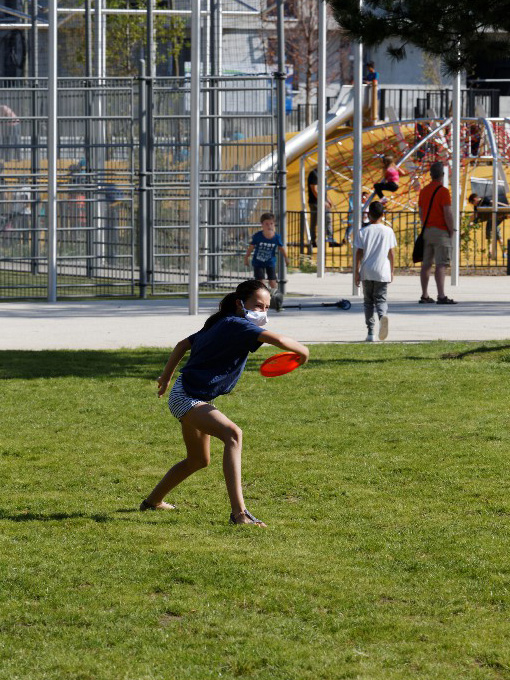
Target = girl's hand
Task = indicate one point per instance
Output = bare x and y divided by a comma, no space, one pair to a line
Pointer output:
303,357
162,385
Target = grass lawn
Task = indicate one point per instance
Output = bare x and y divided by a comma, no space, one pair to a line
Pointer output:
382,472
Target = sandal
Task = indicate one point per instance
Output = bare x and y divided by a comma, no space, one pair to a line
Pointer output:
144,505
252,520
445,301
425,300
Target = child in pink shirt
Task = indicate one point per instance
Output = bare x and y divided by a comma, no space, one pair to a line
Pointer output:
391,178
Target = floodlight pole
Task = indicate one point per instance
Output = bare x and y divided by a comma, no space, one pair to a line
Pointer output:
321,143
194,156
455,185
357,151
52,151
280,141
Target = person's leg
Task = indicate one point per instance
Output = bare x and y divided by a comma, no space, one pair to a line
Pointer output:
378,189
198,456
443,258
426,266
380,295
440,277
368,305
313,225
347,235
425,272
209,420
328,226
259,273
271,277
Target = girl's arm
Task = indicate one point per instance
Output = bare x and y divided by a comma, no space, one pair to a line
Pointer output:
179,351
283,342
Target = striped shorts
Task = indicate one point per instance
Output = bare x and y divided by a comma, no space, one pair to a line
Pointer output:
179,402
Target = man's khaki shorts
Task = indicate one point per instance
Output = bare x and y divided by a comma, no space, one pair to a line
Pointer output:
438,247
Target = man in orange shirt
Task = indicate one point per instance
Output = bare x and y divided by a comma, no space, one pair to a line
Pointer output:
435,205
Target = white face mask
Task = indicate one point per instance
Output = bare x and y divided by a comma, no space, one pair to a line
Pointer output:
258,318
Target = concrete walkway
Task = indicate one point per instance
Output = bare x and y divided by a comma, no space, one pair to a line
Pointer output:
483,313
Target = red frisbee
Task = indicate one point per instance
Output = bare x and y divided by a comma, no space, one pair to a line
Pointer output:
279,364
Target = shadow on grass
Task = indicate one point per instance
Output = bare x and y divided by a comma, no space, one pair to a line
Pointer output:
60,516
54,516
146,364
482,349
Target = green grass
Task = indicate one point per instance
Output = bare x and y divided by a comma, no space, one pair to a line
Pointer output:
382,472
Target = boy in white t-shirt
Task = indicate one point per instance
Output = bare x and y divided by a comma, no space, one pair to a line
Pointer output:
374,267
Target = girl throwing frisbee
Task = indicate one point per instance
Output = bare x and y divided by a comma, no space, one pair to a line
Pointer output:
218,354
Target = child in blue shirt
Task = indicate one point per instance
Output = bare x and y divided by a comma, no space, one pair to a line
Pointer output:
217,359
264,245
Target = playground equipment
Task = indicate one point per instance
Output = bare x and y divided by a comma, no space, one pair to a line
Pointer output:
415,144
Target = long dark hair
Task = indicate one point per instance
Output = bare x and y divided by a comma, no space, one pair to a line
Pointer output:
228,305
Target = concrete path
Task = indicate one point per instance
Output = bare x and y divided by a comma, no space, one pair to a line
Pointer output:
483,313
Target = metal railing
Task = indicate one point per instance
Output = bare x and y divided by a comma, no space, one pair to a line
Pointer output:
475,243
123,197
411,103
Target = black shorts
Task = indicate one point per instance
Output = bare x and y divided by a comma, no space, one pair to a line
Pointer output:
261,272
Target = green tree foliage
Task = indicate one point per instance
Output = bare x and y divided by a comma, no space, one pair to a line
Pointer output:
460,32
127,38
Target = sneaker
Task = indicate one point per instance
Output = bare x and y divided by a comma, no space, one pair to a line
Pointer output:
383,328
370,338
445,301
384,200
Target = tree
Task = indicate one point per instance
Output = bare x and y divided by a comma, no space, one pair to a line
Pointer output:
301,40
460,32
127,37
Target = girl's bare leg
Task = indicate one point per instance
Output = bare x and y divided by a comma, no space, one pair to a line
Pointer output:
198,425
208,419
198,449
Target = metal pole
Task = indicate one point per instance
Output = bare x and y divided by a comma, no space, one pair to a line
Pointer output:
194,173
456,180
88,139
149,83
321,143
142,192
495,177
52,151
34,154
280,141
151,44
357,151
216,40
88,38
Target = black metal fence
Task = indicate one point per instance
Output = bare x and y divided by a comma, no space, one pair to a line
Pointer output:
117,187
410,103
475,243
296,119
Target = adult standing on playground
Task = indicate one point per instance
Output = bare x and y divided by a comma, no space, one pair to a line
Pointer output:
435,206
313,188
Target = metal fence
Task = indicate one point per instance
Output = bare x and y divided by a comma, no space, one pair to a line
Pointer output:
410,103
475,242
296,119
123,183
